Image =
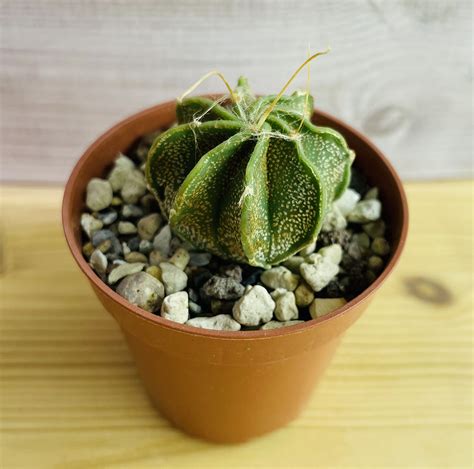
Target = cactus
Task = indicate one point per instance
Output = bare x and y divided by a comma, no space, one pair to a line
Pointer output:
250,181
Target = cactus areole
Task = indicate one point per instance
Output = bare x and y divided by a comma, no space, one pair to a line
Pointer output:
250,181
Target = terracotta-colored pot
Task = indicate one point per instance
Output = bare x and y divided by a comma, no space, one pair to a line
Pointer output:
228,386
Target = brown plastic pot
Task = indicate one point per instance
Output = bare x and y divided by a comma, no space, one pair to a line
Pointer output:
228,386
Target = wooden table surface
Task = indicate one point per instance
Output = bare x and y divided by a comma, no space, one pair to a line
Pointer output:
398,394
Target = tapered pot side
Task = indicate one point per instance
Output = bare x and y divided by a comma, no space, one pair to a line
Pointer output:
228,386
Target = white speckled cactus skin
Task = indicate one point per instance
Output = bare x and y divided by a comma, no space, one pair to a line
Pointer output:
247,192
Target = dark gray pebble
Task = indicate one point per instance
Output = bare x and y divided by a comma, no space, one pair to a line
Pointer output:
145,246
102,235
193,295
221,306
194,308
134,243
232,271
149,203
333,290
223,288
253,278
111,256
199,277
108,216
326,238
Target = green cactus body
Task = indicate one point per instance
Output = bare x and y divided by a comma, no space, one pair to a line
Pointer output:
243,190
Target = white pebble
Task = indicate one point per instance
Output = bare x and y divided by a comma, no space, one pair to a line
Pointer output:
334,220
365,211
254,307
123,161
180,258
280,277
293,263
126,227
123,270
285,305
221,322
162,240
118,175
278,324
99,194
134,187
90,224
347,202
321,306
319,273
333,252
174,279
308,249
175,307
98,261
143,290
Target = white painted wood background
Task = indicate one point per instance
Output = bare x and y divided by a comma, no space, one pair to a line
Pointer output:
401,71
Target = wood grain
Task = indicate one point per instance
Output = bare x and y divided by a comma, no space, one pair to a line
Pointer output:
401,71
399,393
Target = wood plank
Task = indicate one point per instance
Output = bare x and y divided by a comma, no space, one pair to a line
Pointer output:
399,392
399,71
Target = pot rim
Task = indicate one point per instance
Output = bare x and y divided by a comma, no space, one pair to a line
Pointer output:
76,250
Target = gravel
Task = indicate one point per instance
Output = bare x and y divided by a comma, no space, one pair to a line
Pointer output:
132,211
148,226
223,288
365,211
122,270
90,224
285,305
173,279
333,252
108,217
380,246
143,290
135,256
319,272
180,258
304,295
120,172
126,228
175,307
347,202
99,194
280,277
255,307
134,187
162,240
374,229
221,322
278,324
98,261
321,306
129,245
